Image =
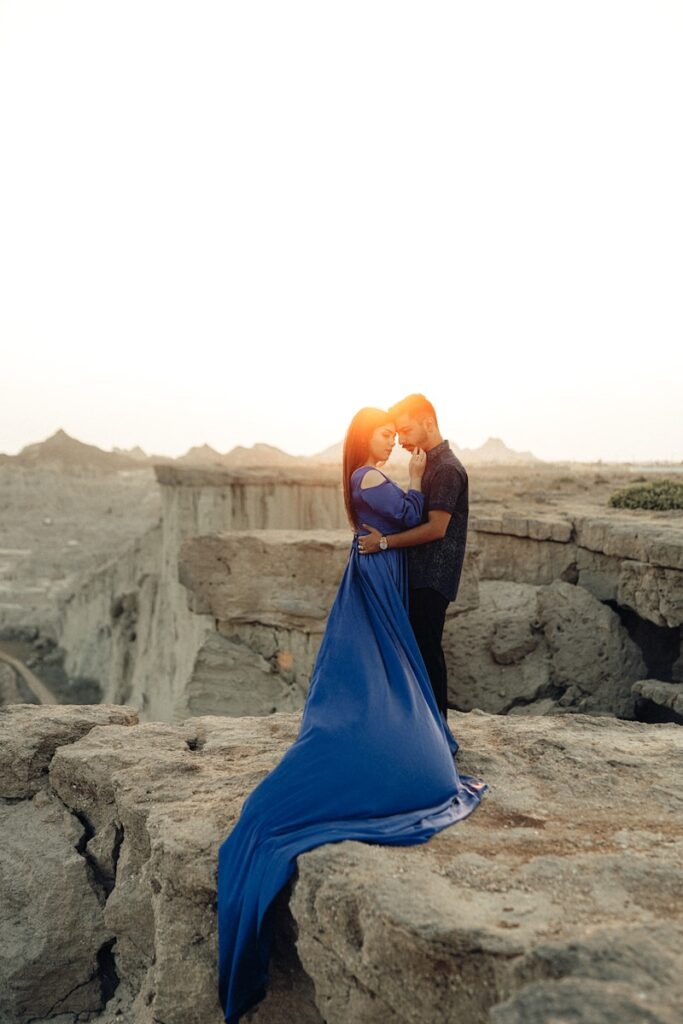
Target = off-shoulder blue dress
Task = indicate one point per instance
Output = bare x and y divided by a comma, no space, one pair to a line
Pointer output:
373,760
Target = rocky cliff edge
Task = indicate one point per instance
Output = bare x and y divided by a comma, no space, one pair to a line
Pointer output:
560,898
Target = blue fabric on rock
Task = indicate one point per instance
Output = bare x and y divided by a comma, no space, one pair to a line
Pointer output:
373,759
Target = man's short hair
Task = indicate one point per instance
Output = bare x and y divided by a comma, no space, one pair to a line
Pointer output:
415,406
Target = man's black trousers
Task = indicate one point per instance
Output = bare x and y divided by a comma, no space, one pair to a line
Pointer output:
427,610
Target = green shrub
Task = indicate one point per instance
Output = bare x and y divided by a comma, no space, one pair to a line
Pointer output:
659,494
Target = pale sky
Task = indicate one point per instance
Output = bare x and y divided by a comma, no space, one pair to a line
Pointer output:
237,222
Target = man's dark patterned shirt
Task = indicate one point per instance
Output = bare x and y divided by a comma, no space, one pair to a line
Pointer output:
445,485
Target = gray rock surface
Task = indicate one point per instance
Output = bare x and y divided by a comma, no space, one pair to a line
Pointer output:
550,649
631,556
226,623
269,593
230,622
667,695
9,686
219,609
99,573
31,734
199,500
52,922
560,897
654,592
55,957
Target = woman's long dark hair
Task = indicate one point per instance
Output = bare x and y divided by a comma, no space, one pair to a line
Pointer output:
357,447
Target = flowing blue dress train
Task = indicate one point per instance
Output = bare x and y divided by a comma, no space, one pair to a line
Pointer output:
373,760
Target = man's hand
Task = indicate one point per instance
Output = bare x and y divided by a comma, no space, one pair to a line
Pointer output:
369,545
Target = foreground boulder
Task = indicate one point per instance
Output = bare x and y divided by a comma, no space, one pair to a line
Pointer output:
550,649
560,896
55,948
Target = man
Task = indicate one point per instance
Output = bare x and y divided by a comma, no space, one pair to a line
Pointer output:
436,548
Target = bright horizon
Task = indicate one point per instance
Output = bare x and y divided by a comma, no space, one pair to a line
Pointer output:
397,448
238,224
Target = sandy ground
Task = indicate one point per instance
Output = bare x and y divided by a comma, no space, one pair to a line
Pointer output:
549,486
54,526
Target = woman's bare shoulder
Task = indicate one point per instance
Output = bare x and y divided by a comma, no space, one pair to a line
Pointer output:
373,478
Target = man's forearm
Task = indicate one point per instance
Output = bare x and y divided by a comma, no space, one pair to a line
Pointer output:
422,534
434,529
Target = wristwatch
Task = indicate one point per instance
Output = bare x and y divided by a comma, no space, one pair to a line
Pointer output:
383,543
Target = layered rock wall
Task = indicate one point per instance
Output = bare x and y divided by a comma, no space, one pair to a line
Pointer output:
133,626
128,626
622,623
204,616
197,501
627,558
270,593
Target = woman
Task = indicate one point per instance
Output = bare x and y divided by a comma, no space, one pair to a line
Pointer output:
373,760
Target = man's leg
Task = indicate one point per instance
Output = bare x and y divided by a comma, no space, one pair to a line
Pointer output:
427,609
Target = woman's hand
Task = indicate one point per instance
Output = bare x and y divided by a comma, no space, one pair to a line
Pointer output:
416,467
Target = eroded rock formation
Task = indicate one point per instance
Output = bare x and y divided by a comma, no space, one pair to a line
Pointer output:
270,593
631,558
204,616
541,649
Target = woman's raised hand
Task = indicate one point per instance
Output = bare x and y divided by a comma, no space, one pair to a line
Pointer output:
416,467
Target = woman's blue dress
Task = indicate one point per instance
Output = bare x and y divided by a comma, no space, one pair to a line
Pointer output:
373,760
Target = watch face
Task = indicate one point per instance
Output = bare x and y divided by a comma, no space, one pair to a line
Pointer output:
383,543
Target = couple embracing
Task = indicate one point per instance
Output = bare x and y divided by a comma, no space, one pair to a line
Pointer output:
374,759
436,546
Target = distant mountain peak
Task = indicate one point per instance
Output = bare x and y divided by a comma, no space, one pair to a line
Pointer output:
62,451
204,449
65,452
135,453
259,454
203,454
58,438
494,449
494,443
